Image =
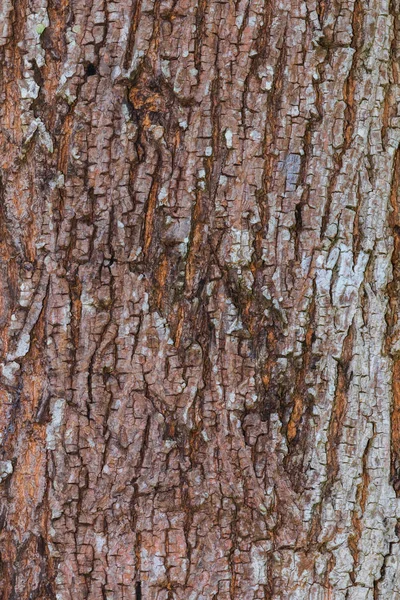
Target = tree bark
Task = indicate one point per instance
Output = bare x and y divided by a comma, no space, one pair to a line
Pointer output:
200,280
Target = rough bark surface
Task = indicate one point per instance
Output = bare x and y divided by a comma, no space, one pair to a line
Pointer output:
200,280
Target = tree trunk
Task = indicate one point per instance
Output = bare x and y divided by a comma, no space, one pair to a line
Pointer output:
200,279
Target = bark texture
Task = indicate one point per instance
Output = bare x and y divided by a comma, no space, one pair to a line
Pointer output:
200,279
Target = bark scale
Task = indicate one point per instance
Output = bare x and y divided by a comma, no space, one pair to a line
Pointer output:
200,347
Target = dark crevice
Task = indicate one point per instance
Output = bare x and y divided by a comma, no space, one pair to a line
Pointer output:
90,70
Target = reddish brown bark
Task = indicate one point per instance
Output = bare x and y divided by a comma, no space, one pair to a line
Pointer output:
199,300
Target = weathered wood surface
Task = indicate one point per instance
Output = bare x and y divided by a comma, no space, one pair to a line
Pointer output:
200,278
